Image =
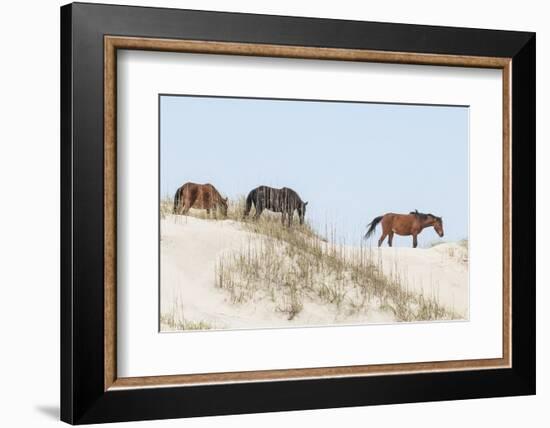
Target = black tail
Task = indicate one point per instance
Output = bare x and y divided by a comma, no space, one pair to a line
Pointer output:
249,200
372,226
177,197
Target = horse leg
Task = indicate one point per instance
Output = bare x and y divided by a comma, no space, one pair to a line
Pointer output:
390,238
283,218
415,242
290,214
188,203
247,208
181,205
187,206
384,234
259,210
208,212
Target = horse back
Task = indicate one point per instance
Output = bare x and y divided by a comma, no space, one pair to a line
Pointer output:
276,199
403,224
203,196
399,218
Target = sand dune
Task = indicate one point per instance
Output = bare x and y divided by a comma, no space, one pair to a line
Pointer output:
190,248
440,271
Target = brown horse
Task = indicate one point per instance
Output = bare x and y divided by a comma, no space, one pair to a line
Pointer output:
201,196
405,225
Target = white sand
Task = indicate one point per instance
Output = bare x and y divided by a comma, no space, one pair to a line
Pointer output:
190,248
440,272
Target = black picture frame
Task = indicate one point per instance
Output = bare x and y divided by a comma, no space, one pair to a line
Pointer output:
83,398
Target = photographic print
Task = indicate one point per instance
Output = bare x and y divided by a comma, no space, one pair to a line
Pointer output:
279,213
325,189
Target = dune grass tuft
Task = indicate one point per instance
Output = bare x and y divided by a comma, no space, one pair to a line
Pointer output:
176,321
171,324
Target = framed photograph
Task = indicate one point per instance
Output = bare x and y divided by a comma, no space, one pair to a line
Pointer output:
320,213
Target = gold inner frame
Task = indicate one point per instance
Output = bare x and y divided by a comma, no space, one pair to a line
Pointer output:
113,43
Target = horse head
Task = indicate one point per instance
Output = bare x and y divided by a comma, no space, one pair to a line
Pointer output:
438,225
302,212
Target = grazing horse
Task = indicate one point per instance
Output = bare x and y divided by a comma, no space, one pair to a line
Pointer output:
201,196
405,225
283,201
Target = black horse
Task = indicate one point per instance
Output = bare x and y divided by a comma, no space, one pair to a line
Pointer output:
283,201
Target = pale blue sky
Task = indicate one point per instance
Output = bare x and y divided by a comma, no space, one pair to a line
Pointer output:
351,161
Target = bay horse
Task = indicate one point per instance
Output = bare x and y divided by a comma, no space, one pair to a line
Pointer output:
284,201
200,196
404,225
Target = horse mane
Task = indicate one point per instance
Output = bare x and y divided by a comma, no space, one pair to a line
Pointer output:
424,216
